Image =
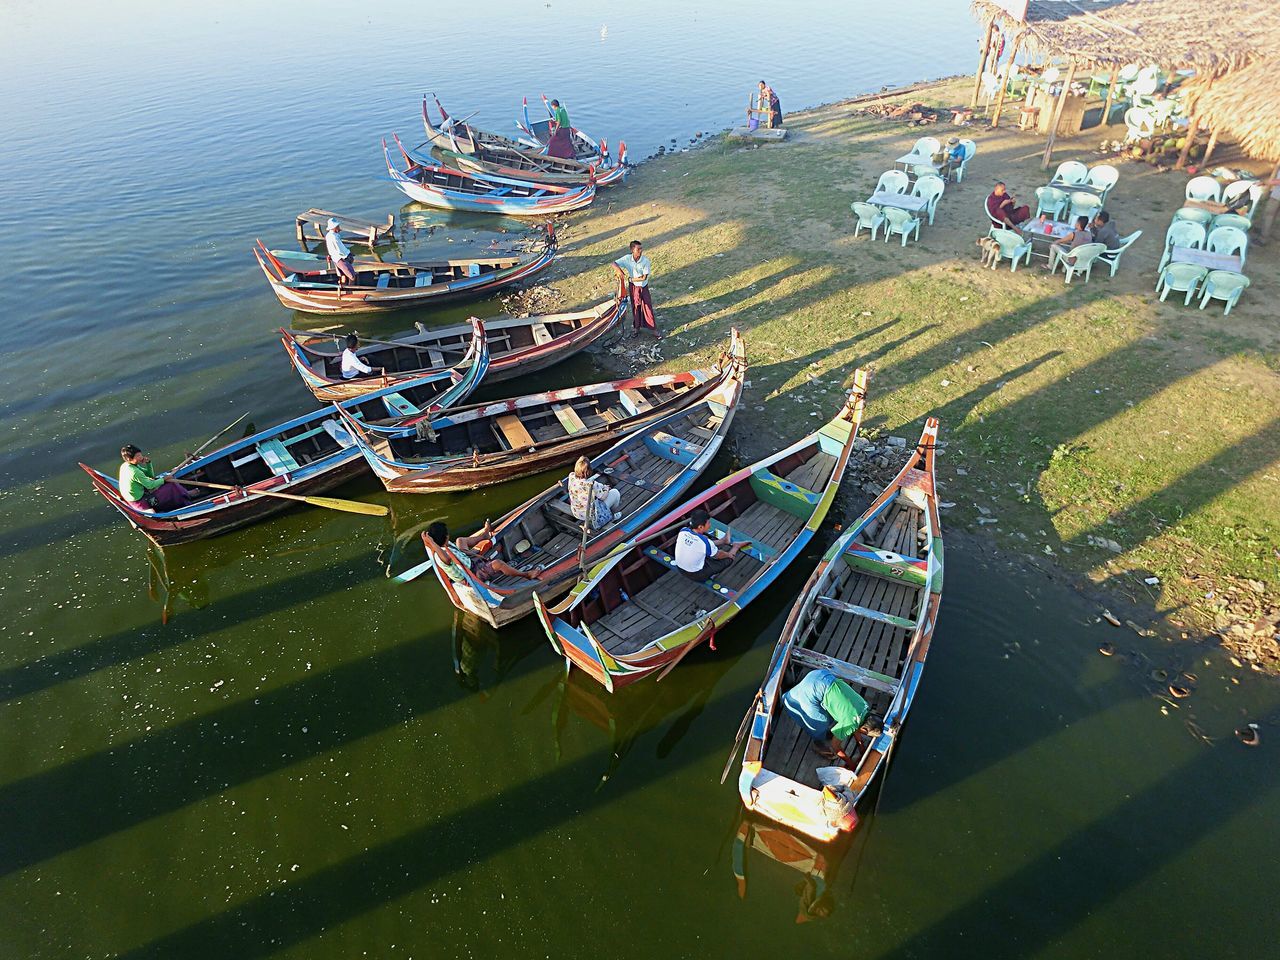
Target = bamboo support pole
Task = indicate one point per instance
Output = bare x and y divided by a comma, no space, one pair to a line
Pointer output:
1004,80
1057,113
1111,93
982,62
1213,142
1192,127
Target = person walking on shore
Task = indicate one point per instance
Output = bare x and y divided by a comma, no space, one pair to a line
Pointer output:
633,269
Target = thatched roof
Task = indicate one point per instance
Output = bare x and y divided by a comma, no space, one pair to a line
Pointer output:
1210,38
1243,106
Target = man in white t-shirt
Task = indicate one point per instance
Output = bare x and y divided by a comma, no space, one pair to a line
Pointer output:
340,254
697,555
633,270
352,365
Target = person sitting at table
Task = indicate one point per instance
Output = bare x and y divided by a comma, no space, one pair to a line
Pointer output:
1104,231
948,161
1078,237
1002,208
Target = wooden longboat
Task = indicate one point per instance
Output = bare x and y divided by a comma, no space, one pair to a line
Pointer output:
652,469
449,189
867,614
635,615
307,281
537,134
306,456
489,443
517,345
461,145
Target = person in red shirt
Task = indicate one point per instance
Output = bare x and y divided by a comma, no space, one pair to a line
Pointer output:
1002,208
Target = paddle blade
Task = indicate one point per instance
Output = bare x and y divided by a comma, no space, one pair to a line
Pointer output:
737,741
349,506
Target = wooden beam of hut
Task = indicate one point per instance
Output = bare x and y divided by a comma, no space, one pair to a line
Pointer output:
1213,142
1057,112
1192,127
1005,78
982,61
1111,92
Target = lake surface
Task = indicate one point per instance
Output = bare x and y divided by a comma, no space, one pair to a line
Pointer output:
258,747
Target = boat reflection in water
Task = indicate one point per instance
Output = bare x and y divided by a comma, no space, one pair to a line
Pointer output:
758,841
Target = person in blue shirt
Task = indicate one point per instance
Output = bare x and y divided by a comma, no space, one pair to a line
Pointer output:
830,711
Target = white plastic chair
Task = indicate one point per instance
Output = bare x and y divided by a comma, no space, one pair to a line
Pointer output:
1013,246
1182,233
1194,214
1052,201
927,146
1079,260
1223,285
1228,240
990,87
923,170
1236,188
1112,257
893,181
1070,171
900,222
1182,277
868,215
1104,176
970,148
1139,124
931,189
1204,188
1084,205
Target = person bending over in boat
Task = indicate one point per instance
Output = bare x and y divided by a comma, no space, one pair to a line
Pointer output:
471,551
830,711
352,365
1001,207
340,254
697,555
560,143
588,494
143,490
634,270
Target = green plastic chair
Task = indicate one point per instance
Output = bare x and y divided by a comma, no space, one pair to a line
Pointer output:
1083,205
1112,257
1013,246
1103,176
1223,285
923,170
1228,240
931,189
1069,172
926,146
900,222
893,181
1194,215
1238,220
1052,201
1080,260
1181,233
869,216
1183,277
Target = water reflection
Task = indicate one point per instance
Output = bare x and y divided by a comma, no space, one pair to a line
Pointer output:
757,843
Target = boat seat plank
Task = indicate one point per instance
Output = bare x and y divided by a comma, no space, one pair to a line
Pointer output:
851,673
514,431
858,611
277,457
568,418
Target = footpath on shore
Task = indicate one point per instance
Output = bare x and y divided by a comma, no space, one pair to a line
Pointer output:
1088,426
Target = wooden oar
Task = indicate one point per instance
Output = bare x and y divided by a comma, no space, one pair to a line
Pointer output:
204,446
329,503
737,741
311,335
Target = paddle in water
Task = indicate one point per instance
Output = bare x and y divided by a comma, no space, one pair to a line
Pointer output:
329,503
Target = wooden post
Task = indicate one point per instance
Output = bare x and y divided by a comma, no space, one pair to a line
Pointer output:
1004,80
1057,113
1111,92
982,62
1192,127
1213,142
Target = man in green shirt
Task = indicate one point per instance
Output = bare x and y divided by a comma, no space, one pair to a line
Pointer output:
830,711
142,489
561,142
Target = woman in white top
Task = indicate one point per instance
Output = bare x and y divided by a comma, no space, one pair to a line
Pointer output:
592,500
352,365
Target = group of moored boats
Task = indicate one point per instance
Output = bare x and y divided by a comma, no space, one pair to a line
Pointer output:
611,597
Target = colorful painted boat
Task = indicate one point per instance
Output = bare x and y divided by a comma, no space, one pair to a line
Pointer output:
652,469
635,615
489,443
517,346
308,282
867,614
461,145
447,188
306,456
537,134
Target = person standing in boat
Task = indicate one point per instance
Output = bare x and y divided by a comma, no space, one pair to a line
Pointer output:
340,254
592,500
769,102
561,142
352,365
699,557
142,489
830,711
634,270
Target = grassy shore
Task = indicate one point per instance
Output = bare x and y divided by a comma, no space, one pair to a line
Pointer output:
1088,425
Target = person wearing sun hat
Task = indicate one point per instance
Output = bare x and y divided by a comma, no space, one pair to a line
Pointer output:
952,157
340,254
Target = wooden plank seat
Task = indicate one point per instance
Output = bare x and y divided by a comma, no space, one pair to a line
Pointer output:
277,457
514,432
886,563
568,418
858,676
634,401
858,611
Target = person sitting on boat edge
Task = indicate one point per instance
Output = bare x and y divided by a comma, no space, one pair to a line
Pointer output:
1001,209
142,489
471,550
352,365
699,557
634,270
585,493
830,711
340,254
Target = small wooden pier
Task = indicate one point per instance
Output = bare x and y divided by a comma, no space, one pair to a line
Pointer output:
309,228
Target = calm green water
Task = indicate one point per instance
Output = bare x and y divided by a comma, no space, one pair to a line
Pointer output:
257,747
